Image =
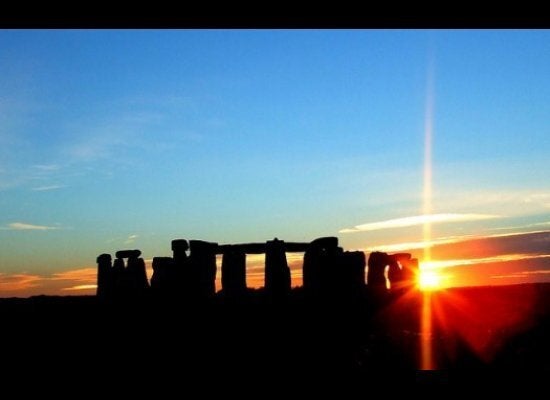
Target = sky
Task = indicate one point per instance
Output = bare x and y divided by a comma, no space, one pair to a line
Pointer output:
114,139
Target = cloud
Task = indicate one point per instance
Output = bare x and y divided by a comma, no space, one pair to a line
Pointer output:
484,260
45,188
349,230
81,275
80,287
522,274
47,167
131,239
472,246
17,282
22,226
505,202
27,284
417,220
398,247
474,259
535,243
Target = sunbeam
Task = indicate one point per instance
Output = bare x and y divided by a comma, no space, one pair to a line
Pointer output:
426,362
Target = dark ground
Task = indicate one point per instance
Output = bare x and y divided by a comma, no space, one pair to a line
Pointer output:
484,334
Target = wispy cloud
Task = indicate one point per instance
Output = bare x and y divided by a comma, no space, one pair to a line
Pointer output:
18,282
105,136
28,284
131,239
83,275
417,220
508,228
46,188
504,202
47,167
522,274
94,148
22,226
396,247
484,260
403,246
80,287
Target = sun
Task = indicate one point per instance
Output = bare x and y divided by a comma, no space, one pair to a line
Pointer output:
429,280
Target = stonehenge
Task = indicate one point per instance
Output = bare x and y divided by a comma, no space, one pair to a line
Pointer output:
327,270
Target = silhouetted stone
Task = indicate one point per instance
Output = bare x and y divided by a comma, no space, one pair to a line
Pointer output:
203,267
410,272
234,272
124,282
118,272
180,245
296,247
260,248
327,269
277,273
325,242
137,275
181,274
351,272
128,253
375,277
320,259
396,271
247,248
104,276
162,280
395,274
402,257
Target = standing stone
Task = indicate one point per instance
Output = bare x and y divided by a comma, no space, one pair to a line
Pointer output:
161,282
132,279
137,275
104,276
351,272
375,277
180,274
179,249
277,273
395,274
410,273
396,271
128,253
120,281
234,272
203,268
320,260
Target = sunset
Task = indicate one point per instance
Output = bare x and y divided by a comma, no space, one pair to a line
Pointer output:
362,198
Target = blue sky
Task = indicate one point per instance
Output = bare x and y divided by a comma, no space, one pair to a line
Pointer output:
122,139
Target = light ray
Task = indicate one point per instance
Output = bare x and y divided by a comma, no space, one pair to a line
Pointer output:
426,356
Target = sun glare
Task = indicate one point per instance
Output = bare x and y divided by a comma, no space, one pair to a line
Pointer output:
429,280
